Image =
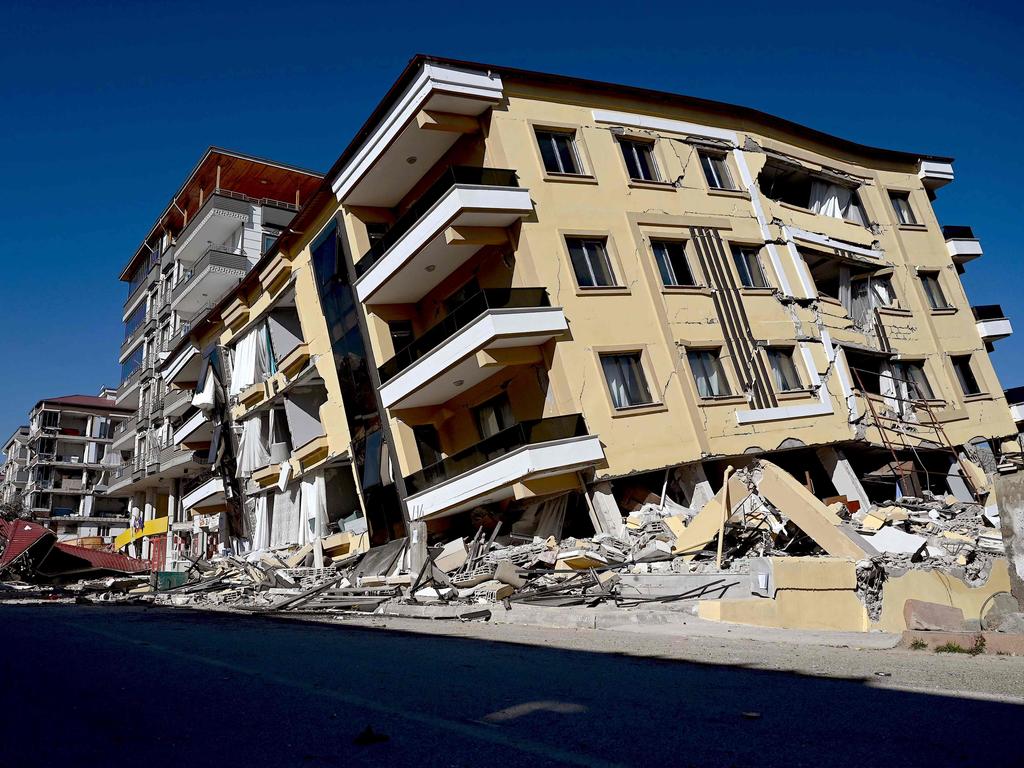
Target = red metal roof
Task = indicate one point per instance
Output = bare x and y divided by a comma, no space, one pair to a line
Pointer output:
20,535
86,401
107,561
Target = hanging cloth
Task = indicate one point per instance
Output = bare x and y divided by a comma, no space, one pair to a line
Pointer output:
252,447
261,536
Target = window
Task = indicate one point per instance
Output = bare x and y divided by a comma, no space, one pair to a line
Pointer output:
716,170
626,382
965,375
901,204
401,334
590,262
428,444
639,157
911,374
708,373
748,266
558,150
494,416
269,238
783,370
826,195
672,263
932,289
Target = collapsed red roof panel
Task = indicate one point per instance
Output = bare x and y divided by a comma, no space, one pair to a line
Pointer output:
17,537
107,561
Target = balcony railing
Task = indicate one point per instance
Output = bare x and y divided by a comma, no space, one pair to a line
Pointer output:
457,174
498,444
988,312
954,232
459,318
213,257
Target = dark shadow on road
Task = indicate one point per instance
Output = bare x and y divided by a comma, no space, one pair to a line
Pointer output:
87,686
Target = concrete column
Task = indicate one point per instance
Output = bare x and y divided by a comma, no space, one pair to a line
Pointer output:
843,477
1009,493
417,545
604,510
150,508
694,482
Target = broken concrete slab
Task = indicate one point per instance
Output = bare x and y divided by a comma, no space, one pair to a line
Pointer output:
932,617
896,541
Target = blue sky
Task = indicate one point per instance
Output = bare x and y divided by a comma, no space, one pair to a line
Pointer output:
106,106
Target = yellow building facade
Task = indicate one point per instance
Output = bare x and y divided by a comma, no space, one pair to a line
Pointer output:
512,286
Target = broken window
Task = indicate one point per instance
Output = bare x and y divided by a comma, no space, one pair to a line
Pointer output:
901,205
558,150
590,262
783,368
716,169
708,373
672,263
965,374
867,370
860,287
626,381
639,157
911,373
748,267
933,290
818,193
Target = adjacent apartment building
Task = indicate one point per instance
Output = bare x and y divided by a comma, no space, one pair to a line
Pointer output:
66,452
227,214
14,475
525,299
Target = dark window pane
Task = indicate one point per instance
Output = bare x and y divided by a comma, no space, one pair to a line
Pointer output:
673,265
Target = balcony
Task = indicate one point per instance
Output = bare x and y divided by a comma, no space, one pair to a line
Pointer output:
490,331
212,276
197,430
128,392
961,243
992,323
176,401
935,173
461,212
203,492
172,458
1015,399
492,469
221,216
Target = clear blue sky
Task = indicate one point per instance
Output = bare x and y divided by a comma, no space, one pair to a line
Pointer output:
104,107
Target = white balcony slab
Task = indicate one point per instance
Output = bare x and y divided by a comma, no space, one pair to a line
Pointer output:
422,258
1017,411
990,330
207,494
935,173
964,249
196,429
183,367
452,367
379,172
494,480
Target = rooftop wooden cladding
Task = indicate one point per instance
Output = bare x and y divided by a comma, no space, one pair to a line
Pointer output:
237,173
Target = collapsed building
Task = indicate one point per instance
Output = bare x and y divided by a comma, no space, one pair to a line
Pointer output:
547,315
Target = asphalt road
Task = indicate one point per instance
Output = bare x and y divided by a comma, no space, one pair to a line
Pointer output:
89,686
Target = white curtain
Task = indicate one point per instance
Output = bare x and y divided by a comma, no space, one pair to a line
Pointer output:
261,536
244,370
314,507
262,334
829,199
205,398
286,520
252,447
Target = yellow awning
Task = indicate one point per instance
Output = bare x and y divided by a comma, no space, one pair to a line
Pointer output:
151,528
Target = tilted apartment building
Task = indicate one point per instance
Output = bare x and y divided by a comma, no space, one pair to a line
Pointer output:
15,467
521,297
224,217
69,462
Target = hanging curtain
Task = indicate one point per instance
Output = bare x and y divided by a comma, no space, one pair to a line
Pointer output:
246,353
261,536
285,521
261,368
206,395
829,199
314,507
861,304
252,447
